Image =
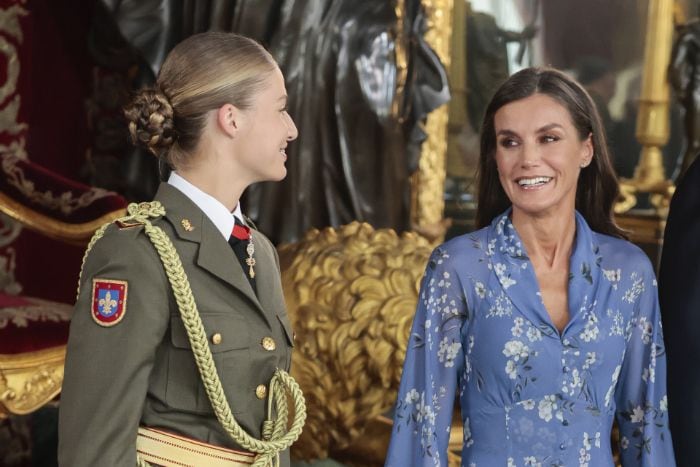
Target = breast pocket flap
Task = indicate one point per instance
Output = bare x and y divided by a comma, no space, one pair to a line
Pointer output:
224,332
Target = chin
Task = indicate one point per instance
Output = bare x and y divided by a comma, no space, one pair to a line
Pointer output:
279,176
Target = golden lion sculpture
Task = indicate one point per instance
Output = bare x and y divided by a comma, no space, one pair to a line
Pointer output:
352,294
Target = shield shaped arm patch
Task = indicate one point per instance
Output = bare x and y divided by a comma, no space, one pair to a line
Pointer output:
108,301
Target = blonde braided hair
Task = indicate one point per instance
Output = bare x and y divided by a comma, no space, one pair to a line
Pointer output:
275,436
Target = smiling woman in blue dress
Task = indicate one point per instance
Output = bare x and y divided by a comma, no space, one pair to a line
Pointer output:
545,322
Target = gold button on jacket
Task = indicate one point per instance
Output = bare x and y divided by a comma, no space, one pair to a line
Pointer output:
268,343
142,371
261,391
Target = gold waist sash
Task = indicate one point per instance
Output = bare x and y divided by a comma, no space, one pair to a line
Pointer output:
170,450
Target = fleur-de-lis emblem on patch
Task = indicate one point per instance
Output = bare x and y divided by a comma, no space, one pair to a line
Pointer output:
107,303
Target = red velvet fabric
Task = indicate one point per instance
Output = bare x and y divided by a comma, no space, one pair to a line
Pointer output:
47,268
53,87
54,82
30,324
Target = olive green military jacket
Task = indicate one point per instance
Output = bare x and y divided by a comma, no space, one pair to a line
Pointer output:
141,370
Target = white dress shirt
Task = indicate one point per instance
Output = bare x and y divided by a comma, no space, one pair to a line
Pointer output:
212,207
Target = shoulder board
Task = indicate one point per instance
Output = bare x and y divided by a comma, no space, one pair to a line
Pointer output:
127,223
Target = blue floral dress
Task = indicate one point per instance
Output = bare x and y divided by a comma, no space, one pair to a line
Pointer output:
529,395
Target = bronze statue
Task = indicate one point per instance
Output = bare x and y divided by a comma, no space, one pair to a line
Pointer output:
684,76
360,130
487,59
358,109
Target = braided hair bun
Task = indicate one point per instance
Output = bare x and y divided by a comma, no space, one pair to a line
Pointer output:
151,124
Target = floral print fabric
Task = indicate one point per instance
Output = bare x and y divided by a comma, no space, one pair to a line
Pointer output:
530,395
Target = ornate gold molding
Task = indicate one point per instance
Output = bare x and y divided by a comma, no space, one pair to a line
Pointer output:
30,380
401,60
652,119
428,184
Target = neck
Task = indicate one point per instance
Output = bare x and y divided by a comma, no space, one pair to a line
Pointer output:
214,171
547,240
211,176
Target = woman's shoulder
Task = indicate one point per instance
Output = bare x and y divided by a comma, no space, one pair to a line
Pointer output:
618,253
122,243
121,232
466,249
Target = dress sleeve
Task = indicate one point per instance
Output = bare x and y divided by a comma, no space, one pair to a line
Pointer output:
108,368
642,405
434,361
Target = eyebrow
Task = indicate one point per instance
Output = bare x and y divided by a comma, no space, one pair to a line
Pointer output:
282,98
543,129
551,126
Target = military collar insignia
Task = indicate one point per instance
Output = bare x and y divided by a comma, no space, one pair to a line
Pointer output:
108,301
187,225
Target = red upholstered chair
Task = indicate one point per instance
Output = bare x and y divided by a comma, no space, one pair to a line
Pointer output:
33,331
54,205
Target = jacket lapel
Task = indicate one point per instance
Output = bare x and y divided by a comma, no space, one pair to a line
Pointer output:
217,257
267,276
263,274
214,253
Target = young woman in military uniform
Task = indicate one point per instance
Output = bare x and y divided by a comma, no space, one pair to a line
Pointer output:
180,340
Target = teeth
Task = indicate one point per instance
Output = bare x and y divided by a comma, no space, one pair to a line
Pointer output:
533,181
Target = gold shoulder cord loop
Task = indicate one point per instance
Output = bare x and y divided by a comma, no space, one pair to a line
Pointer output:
276,437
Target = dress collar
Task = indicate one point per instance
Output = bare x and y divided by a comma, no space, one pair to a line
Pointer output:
518,281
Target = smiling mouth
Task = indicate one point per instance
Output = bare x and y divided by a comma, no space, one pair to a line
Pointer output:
533,182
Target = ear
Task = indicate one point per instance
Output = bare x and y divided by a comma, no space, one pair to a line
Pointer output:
587,151
228,119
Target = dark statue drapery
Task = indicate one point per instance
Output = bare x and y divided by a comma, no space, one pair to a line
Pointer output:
359,138
684,76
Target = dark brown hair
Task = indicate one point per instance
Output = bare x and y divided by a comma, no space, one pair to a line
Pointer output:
201,73
597,187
